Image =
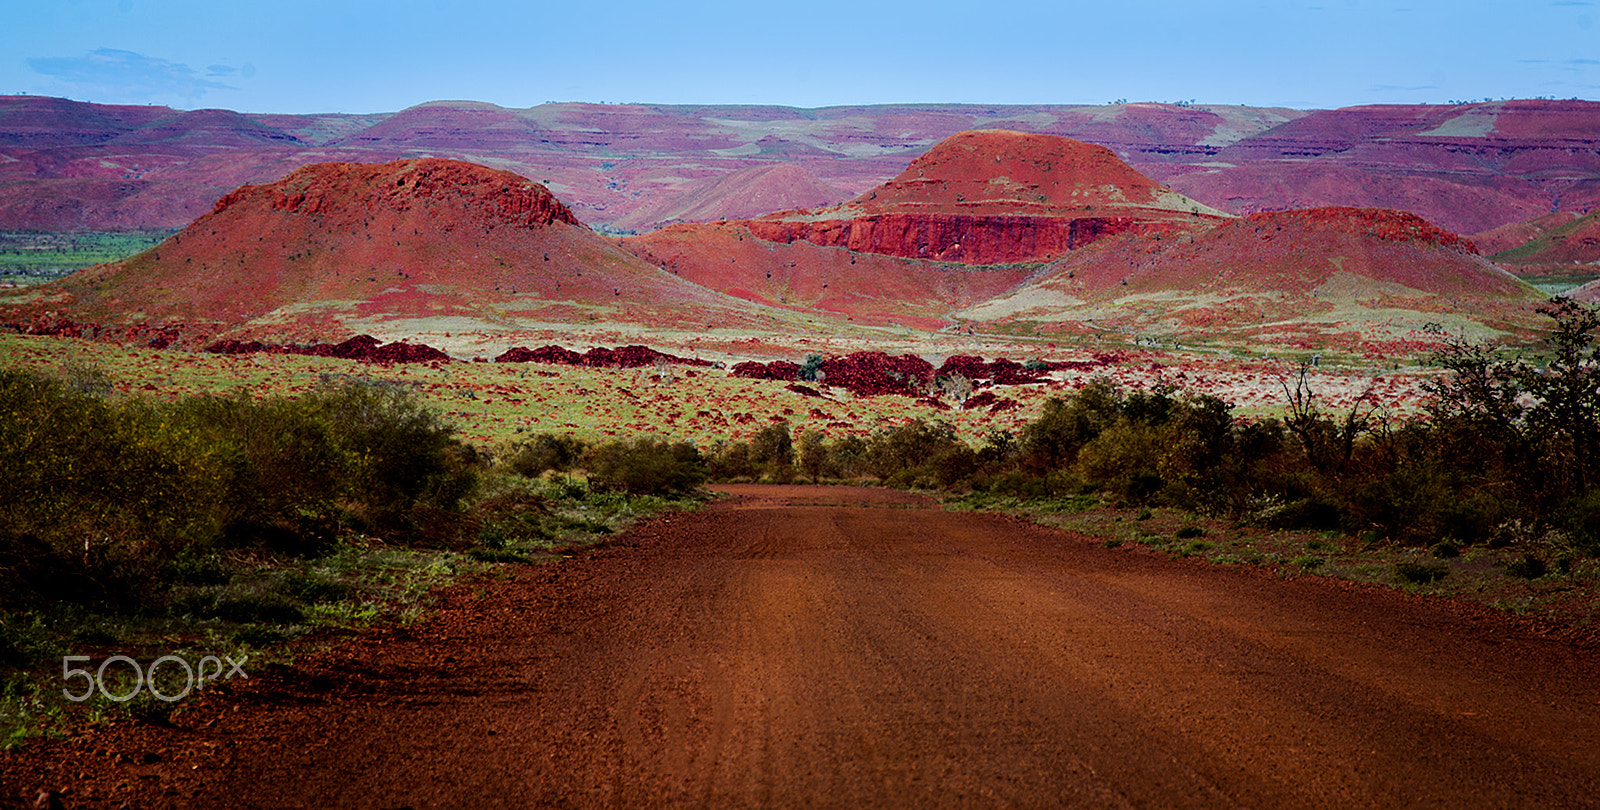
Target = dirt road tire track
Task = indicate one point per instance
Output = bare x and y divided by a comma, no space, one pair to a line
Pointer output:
835,647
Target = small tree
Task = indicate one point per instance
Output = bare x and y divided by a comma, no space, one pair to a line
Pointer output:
812,367
813,455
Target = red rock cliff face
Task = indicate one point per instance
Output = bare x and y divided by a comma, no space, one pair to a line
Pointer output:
1002,239
995,197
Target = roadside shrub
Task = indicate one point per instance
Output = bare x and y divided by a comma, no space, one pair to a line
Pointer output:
1413,573
1527,567
95,498
815,459
1123,460
645,466
545,452
1052,441
730,461
409,472
1580,517
905,454
278,466
772,452
101,499
1306,513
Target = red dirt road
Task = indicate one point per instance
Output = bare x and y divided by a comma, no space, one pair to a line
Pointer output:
804,646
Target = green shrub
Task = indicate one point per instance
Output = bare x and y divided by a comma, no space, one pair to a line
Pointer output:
1413,573
409,471
1527,567
730,461
96,497
1307,513
109,501
646,466
814,458
544,453
1052,441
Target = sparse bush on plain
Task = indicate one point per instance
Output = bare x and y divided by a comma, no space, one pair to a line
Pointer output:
646,466
1413,573
1505,442
544,453
102,497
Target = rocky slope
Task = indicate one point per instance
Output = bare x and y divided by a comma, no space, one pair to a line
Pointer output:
335,248
1339,268
995,197
1567,244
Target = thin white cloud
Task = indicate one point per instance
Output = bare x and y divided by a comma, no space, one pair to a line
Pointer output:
110,74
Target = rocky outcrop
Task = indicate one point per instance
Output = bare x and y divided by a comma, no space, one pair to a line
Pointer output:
995,197
1368,223
364,348
968,239
488,195
598,357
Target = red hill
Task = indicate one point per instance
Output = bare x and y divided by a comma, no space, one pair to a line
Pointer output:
991,197
1336,266
1003,172
1517,234
864,287
444,125
1568,244
333,248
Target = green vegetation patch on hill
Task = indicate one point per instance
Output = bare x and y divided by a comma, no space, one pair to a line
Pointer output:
33,257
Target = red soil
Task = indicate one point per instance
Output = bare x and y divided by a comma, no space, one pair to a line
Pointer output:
837,647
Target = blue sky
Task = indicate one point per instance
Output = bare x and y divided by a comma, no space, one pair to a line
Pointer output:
331,56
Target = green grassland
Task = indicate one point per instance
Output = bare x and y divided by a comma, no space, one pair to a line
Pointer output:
491,403
34,257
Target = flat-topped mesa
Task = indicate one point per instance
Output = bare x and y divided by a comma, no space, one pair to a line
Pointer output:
994,197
